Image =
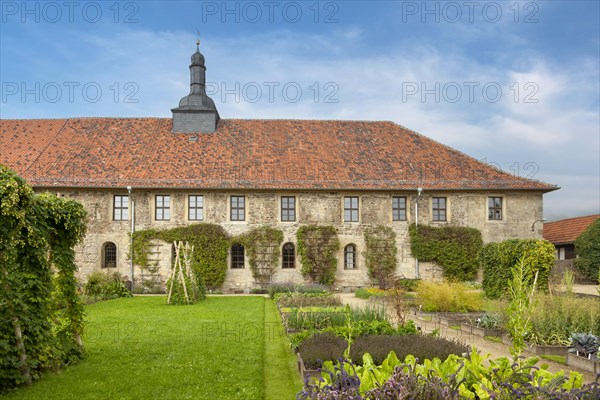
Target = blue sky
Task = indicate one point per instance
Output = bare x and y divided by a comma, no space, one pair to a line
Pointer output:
513,83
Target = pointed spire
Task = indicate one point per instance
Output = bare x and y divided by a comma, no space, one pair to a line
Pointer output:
201,114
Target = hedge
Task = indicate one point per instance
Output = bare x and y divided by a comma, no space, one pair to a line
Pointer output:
497,260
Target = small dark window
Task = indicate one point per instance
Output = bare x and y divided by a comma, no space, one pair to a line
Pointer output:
350,257
109,255
121,208
237,256
495,208
438,208
238,208
288,255
398,208
288,208
351,209
195,208
163,208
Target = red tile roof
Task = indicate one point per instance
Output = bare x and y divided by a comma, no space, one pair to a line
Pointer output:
567,230
242,154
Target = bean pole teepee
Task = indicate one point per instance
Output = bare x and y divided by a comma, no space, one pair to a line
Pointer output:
182,284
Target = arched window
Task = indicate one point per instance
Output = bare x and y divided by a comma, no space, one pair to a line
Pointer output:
109,255
350,257
237,256
288,256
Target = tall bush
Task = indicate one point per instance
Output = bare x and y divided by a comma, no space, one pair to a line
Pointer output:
211,247
497,260
381,253
41,321
587,247
454,248
318,247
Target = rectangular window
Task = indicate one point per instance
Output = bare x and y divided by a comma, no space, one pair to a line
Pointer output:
195,208
288,208
162,209
121,208
238,208
398,208
351,209
495,208
438,208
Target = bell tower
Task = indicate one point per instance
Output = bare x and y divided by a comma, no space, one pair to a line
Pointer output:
196,112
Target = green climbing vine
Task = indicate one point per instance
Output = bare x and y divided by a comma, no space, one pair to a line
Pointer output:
211,246
42,317
318,247
454,248
263,249
380,254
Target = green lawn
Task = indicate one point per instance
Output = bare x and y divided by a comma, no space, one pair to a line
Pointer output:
141,348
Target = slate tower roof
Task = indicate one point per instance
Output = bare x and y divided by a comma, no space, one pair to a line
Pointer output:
197,112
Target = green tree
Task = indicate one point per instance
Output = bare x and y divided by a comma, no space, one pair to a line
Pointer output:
587,247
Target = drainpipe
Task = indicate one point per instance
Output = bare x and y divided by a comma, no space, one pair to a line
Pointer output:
419,191
129,190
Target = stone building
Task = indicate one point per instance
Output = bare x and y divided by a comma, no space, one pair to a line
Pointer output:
137,173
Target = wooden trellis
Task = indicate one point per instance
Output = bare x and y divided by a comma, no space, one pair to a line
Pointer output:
181,271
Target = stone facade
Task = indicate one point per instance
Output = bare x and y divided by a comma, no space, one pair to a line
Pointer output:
464,208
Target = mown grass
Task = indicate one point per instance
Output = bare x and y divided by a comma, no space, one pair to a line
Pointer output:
141,348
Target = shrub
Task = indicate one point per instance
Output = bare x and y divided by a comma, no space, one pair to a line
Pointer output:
104,286
298,319
454,248
410,285
263,251
448,297
498,259
587,247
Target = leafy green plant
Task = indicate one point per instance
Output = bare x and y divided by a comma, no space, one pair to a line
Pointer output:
521,289
42,316
318,247
380,254
454,248
584,344
587,247
298,299
104,286
262,246
498,259
211,244
448,297
488,321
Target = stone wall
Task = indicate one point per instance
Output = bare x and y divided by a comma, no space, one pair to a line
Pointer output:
520,210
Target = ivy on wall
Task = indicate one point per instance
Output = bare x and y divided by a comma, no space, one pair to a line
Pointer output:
42,318
211,247
318,247
455,249
380,255
263,250
498,259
